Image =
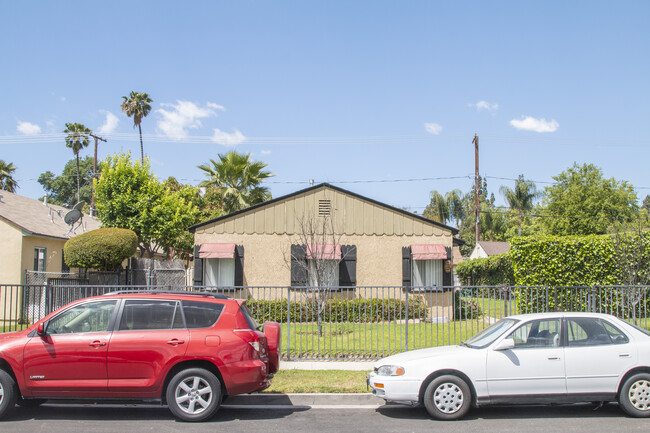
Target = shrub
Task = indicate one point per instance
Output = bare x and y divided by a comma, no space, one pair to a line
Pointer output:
493,271
102,249
466,308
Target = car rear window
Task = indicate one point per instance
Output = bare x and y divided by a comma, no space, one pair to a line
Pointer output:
201,314
249,317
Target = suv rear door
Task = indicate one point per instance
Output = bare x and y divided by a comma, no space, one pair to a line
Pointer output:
149,336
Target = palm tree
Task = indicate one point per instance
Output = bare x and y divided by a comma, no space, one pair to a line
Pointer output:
522,197
236,179
76,140
444,209
138,106
7,182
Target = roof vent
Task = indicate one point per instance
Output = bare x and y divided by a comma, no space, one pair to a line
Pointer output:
324,208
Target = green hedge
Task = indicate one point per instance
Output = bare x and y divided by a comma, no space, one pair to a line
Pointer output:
338,310
493,271
102,249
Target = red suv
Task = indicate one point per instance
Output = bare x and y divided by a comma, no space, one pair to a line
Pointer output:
188,350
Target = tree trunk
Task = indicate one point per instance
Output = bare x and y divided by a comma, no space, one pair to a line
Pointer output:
78,189
141,145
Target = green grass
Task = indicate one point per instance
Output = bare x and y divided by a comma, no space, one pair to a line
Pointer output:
318,381
13,327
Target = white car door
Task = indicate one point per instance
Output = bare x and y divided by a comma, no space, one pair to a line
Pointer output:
533,369
597,355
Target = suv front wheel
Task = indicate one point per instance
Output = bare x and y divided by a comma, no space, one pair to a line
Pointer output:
194,394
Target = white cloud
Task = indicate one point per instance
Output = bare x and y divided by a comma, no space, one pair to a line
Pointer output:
228,139
433,128
265,152
485,105
110,124
528,123
27,128
184,115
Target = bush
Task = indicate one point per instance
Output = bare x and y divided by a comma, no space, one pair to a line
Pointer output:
466,308
102,249
493,271
338,310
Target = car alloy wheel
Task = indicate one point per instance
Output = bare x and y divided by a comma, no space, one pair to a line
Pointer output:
194,394
447,398
8,393
639,395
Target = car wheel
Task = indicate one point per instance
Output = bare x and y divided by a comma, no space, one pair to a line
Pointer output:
194,394
447,398
8,393
634,398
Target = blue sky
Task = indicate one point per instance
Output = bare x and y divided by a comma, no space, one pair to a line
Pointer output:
366,95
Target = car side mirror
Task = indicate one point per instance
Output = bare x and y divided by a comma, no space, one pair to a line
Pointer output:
505,344
40,330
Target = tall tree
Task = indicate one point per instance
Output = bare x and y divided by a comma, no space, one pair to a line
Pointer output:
62,190
76,140
521,198
583,202
7,181
447,208
138,106
236,179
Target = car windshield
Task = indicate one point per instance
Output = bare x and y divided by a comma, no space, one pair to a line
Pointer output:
488,335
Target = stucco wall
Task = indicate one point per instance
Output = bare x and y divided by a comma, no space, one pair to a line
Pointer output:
10,258
54,253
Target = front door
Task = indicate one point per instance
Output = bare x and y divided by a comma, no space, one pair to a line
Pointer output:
534,369
72,354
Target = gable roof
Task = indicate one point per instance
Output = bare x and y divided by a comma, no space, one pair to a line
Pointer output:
37,219
453,230
494,248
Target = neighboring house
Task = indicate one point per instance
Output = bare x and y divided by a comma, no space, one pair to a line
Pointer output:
32,235
372,244
457,258
485,249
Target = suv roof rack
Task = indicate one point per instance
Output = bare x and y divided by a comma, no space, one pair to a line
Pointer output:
168,292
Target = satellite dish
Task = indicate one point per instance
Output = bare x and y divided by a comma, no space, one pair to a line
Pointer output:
72,216
79,206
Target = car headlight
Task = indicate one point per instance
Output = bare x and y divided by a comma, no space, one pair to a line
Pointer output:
390,370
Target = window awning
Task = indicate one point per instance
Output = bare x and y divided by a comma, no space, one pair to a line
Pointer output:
428,252
217,251
323,252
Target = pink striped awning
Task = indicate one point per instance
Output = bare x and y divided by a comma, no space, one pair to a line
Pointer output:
217,251
324,251
428,252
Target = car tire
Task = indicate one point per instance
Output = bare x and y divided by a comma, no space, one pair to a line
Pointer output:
8,393
447,398
634,397
194,395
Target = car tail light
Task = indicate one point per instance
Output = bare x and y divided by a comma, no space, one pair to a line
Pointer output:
256,339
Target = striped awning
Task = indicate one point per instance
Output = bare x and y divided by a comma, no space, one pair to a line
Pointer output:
428,252
323,251
217,251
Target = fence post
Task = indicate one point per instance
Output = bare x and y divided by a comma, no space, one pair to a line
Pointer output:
406,337
288,323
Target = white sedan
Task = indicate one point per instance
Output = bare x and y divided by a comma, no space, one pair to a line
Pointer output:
528,359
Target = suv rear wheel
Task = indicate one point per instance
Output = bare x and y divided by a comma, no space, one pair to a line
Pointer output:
8,393
194,394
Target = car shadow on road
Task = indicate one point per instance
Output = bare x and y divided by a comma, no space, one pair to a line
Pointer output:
135,412
513,412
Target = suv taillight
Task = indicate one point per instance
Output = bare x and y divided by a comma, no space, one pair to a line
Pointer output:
256,339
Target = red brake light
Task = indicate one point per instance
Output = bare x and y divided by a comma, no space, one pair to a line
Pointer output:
256,339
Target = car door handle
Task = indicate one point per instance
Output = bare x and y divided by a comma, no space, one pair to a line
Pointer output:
175,342
553,358
623,355
97,344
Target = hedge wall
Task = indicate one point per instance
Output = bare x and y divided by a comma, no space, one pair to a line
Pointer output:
102,249
493,271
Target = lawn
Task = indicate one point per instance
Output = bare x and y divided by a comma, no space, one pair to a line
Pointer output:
318,381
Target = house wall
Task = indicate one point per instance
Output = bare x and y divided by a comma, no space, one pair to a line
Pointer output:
54,251
10,258
478,253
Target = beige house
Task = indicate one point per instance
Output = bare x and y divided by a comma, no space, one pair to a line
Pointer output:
367,242
32,235
485,249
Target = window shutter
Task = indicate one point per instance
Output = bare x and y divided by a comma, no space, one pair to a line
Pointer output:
406,267
239,266
298,265
198,267
348,266
446,276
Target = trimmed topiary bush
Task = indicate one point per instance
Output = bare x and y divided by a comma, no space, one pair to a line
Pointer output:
492,271
102,249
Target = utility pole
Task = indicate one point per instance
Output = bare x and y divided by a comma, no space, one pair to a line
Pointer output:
92,200
476,186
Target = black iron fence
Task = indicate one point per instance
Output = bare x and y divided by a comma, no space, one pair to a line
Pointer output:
354,323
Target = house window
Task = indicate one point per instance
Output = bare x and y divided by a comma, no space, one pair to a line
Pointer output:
219,272
325,270
40,259
427,273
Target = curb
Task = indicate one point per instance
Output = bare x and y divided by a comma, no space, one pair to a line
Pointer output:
303,400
